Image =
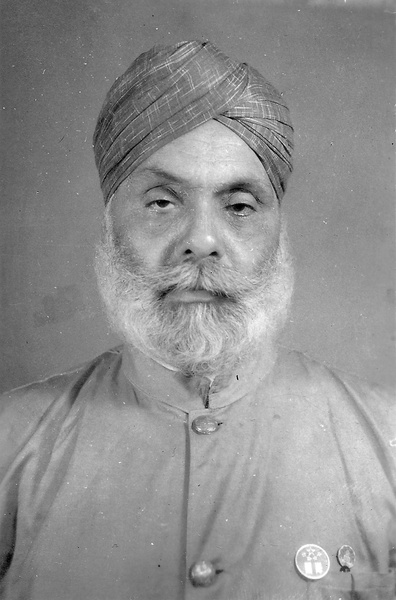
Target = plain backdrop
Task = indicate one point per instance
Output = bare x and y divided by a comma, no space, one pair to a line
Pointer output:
334,63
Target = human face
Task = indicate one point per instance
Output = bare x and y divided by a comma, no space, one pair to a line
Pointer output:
204,195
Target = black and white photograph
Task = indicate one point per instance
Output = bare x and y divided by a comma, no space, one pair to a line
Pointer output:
198,364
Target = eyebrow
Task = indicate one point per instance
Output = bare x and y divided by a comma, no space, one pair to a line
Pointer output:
250,184
162,174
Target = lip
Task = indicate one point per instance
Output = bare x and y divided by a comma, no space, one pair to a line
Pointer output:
188,296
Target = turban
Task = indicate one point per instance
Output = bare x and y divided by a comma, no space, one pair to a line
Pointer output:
170,90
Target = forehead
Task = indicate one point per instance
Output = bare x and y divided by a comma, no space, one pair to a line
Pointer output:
209,155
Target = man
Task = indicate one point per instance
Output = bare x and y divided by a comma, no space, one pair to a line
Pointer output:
199,460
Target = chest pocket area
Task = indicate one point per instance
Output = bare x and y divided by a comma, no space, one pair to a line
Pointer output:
354,586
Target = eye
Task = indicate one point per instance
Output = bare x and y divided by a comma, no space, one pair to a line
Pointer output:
161,204
160,199
241,209
242,204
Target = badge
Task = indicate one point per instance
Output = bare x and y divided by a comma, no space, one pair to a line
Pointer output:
312,562
346,557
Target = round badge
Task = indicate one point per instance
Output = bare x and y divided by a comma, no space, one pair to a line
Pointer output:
346,557
312,562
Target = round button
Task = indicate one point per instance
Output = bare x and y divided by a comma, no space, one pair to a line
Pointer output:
312,562
205,425
202,573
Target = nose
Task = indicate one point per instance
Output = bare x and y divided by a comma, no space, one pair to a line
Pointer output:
203,236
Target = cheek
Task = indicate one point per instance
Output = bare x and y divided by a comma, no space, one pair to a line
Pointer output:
131,237
148,251
258,244
145,235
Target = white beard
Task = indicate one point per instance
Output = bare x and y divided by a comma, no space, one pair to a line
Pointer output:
201,339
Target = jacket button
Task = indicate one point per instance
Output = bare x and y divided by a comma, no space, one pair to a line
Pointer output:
205,425
202,574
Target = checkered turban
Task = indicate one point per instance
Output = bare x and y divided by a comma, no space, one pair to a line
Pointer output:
168,91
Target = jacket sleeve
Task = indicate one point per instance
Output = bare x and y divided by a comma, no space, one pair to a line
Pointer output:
21,412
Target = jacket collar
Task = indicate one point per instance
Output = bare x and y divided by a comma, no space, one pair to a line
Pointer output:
154,381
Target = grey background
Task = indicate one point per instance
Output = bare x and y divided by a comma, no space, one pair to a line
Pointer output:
334,63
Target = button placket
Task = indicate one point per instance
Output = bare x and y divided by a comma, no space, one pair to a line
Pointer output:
204,567
224,488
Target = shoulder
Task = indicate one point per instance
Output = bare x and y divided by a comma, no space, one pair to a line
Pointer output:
38,394
348,402
351,422
23,409
309,376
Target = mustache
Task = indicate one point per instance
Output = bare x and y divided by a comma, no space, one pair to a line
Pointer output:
209,275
